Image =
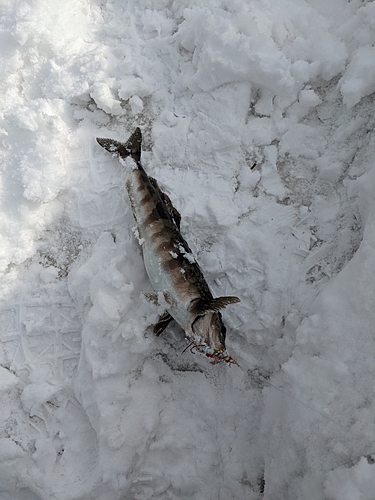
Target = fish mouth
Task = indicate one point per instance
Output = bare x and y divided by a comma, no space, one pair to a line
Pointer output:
216,356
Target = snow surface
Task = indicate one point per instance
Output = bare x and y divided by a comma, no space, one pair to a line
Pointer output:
258,122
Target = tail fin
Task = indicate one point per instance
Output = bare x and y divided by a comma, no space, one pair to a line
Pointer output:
132,147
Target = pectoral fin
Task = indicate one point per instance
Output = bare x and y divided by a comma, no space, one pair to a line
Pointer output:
162,324
202,306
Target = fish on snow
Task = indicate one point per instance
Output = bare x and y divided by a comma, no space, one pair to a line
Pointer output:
168,260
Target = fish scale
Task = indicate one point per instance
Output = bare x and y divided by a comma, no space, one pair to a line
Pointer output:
168,260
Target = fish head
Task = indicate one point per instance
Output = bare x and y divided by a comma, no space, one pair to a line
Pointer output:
209,330
208,338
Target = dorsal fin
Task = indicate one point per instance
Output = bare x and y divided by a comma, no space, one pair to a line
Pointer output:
202,306
176,216
173,212
132,147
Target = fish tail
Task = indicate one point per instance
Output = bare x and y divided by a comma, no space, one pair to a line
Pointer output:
132,147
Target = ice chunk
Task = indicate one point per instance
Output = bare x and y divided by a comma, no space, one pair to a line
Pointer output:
7,379
34,395
103,96
359,77
357,482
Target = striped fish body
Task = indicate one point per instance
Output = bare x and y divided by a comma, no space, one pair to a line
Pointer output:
168,260
165,252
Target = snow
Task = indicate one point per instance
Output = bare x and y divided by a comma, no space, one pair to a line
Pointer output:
258,122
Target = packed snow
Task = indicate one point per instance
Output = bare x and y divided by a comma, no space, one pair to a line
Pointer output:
258,122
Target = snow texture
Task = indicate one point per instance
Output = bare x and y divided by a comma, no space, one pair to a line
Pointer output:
258,122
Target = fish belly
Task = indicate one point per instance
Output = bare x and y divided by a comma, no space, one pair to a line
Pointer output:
162,281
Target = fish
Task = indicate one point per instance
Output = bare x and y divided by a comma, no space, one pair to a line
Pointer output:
175,276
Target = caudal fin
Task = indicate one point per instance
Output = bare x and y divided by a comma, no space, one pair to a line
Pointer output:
132,147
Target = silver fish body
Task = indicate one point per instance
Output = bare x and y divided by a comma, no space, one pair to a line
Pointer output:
169,263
